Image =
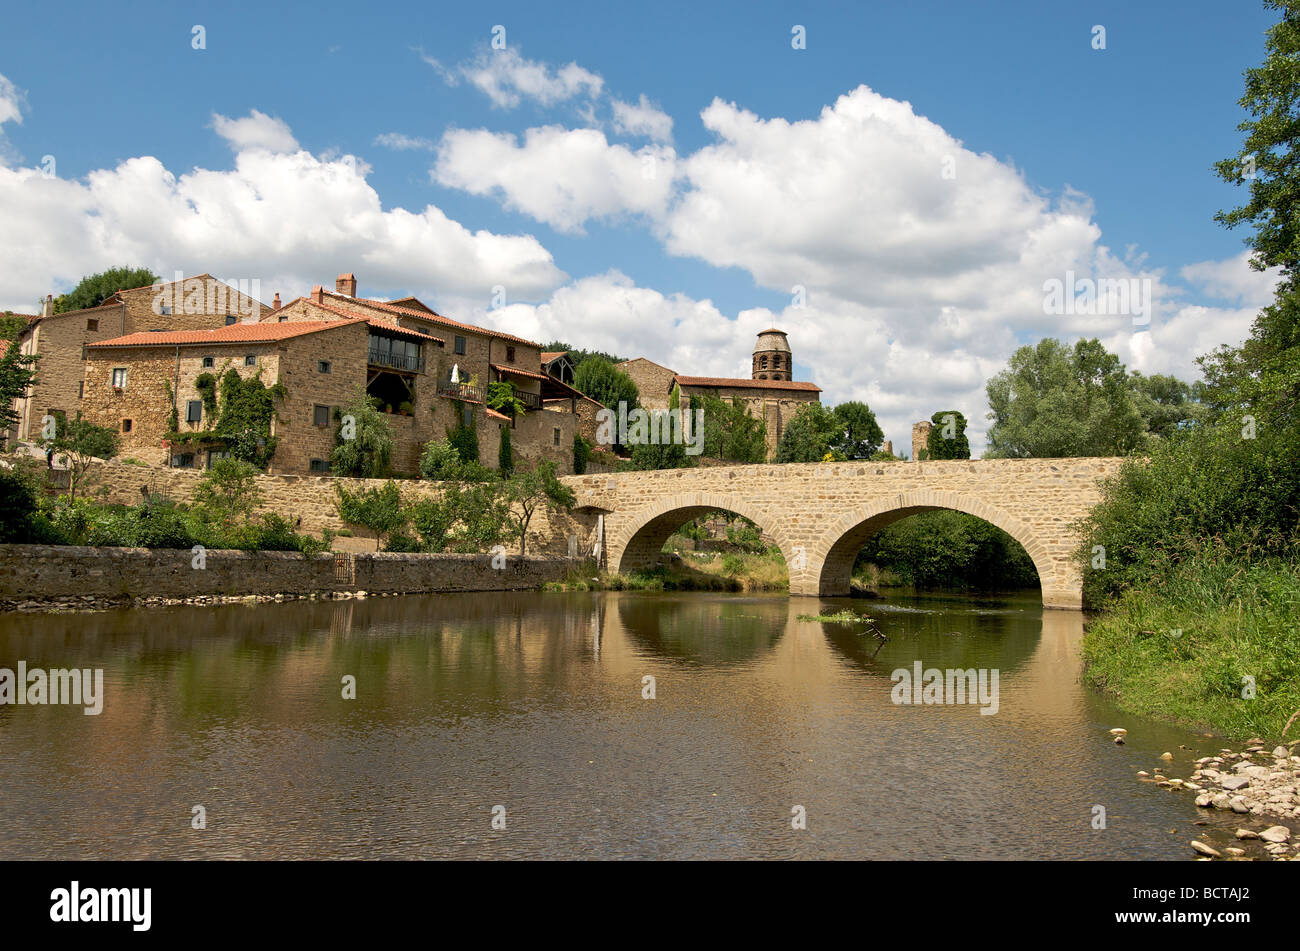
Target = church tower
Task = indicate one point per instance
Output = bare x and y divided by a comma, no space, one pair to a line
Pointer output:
772,359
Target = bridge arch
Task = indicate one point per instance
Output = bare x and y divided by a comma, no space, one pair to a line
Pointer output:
830,562
639,538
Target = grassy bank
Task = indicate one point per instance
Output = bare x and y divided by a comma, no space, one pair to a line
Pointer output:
1181,650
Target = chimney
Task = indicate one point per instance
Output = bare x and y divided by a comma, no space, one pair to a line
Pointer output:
47,308
346,284
275,304
318,294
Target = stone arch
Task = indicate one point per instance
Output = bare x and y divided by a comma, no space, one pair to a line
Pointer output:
639,536
831,558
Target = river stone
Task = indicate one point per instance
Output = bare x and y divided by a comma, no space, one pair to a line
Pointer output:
1275,834
1235,782
1120,731
1239,806
1166,756
1233,850
1281,752
1204,800
1221,801
1204,849
1247,834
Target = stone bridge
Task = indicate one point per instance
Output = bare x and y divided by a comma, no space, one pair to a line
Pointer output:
821,514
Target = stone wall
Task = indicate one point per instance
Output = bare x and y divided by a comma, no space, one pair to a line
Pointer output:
37,575
310,502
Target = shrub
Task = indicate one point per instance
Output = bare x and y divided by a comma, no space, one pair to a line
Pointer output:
18,504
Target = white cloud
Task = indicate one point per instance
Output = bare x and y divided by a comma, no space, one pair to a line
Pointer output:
288,219
12,103
508,78
400,142
563,177
255,131
1233,280
642,118
923,262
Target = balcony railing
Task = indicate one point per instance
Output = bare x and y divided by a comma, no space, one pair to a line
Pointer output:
414,364
463,391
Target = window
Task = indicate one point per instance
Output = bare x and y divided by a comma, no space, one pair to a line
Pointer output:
319,465
126,425
762,363
230,319
164,310
92,323
119,378
193,411
776,362
323,366
510,354
320,415
467,414
184,460
208,363
250,360
556,435
81,390
460,345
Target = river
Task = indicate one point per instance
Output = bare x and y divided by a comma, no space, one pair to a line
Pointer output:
534,702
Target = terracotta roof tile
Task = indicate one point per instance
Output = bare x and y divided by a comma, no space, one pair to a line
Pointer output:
741,384
433,317
234,333
549,355
515,371
372,321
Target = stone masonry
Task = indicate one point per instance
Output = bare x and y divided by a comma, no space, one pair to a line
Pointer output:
821,514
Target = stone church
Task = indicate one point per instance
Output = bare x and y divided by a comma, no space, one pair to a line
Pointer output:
770,394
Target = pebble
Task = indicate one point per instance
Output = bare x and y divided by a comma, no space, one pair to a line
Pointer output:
1275,834
1206,850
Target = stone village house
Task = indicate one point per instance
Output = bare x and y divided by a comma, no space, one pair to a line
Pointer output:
131,366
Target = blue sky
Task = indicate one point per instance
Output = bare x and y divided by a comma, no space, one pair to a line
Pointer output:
1100,156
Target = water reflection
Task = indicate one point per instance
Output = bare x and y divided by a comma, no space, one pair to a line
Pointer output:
534,701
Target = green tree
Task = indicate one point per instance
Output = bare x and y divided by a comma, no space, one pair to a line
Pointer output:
464,438
505,457
581,453
730,432
501,397
465,518
439,460
578,356
1166,403
378,509
363,442
1054,401
529,489
228,490
18,504
94,289
663,455
80,442
809,434
17,370
605,383
947,438
860,435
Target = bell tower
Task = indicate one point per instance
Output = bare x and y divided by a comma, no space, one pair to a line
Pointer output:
772,358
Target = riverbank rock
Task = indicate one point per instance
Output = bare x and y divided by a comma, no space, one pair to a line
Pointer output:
1275,834
1203,849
